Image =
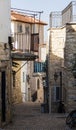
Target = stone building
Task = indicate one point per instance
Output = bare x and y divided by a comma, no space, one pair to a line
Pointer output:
70,66
28,33
5,63
61,51
55,64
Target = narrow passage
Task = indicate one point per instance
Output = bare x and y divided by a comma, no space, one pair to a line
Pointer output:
28,116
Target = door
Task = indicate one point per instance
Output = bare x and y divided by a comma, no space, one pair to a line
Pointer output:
3,91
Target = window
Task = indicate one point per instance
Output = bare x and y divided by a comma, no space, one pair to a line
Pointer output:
28,78
19,28
23,77
35,42
27,30
56,93
38,84
39,67
14,78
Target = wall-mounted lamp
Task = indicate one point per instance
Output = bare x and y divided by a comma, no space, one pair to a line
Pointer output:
55,76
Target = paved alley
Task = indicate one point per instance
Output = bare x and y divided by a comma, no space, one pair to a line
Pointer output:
28,116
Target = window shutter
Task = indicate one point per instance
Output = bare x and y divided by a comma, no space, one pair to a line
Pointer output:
35,42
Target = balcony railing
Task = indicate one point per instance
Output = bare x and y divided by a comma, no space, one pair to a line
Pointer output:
68,14
39,67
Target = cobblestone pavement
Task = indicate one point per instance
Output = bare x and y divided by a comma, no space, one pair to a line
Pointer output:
28,116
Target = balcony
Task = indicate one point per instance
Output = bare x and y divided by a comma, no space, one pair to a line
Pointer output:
24,46
39,67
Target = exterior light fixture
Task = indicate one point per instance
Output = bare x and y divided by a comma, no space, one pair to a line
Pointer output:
55,76
61,108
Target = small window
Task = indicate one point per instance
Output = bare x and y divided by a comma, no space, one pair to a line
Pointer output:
23,77
14,76
38,84
19,28
56,92
28,78
27,30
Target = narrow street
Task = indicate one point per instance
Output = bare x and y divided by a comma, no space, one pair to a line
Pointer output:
28,116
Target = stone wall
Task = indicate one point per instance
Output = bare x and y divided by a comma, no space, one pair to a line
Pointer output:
37,87
70,53
62,57
6,86
17,95
56,58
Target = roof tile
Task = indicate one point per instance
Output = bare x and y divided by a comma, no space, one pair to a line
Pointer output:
16,16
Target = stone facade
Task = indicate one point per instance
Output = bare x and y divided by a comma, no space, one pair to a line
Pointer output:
69,61
62,59
5,64
37,88
6,85
56,59
16,91
23,30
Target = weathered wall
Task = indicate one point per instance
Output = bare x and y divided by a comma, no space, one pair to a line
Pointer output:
5,66
69,60
62,57
17,95
56,58
5,63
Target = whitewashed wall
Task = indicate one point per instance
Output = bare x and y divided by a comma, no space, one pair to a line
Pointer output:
4,20
24,87
43,54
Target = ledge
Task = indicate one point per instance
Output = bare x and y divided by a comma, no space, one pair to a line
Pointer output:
22,56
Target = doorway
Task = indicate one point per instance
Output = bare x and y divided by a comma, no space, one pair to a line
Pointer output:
3,92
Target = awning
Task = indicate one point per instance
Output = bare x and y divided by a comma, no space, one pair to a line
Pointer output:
22,56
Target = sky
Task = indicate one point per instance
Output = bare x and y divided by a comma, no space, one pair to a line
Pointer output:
47,6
